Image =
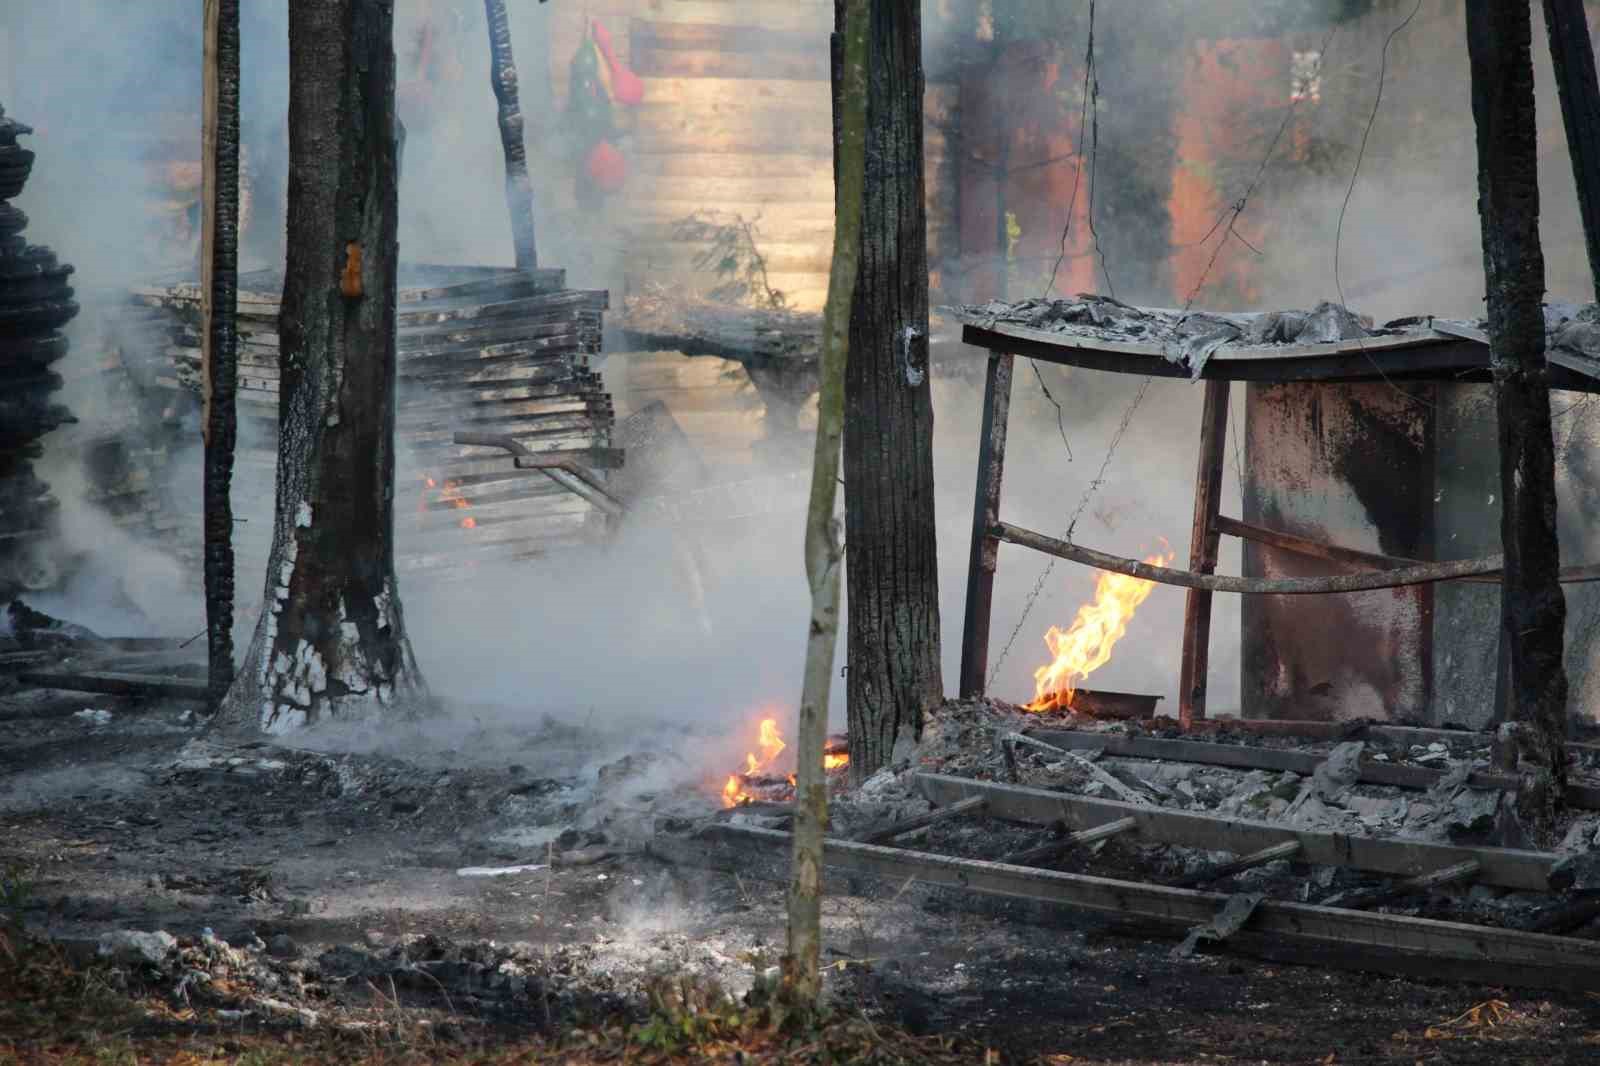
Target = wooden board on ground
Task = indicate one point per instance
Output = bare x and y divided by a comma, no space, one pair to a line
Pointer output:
1321,935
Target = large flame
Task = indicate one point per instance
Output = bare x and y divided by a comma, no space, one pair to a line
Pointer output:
1086,645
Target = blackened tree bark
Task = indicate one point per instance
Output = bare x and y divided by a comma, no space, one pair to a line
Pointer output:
890,551
219,287
1533,610
1572,54
331,639
519,187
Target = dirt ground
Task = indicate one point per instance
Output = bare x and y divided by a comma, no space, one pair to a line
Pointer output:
314,888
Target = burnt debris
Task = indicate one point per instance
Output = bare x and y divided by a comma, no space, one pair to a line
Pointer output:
35,302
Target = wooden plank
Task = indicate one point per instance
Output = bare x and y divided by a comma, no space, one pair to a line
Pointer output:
174,688
1422,574
1054,849
1525,870
1203,545
1272,853
1249,757
707,63
983,557
1382,942
922,821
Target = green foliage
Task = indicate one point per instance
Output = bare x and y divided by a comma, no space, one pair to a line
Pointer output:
731,256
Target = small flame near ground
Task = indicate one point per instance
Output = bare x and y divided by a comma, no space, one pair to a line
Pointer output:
1086,645
771,745
449,493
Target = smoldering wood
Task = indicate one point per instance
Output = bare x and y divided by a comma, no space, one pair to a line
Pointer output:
1069,842
219,283
1466,870
485,348
922,821
1526,870
1250,757
1578,87
519,187
1278,929
1288,849
115,684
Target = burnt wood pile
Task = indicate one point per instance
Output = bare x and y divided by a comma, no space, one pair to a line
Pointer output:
481,349
35,302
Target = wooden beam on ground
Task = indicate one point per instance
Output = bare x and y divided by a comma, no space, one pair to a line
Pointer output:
12,662
1216,872
1376,897
1301,932
1072,841
1203,544
922,821
1250,757
172,688
1525,870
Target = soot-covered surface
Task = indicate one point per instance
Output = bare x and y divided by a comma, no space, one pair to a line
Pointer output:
324,874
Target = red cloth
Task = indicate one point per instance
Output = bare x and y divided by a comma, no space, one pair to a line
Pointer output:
606,167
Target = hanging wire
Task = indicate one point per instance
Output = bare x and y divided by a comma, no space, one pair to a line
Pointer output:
1230,218
1361,153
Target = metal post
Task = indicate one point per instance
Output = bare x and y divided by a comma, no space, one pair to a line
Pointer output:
1203,542
985,514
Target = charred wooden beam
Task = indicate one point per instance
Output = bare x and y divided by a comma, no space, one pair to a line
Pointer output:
1203,544
922,821
984,549
1455,873
1217,871
174,688
1070,842
1322,935
1526,870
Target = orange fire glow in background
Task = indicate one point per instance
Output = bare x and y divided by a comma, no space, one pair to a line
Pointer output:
451,494
1086,645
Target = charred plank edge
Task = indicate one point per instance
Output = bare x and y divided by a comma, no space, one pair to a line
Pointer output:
1209,753
1462,871
1054,848
1217,871
175,688
922,821
1324,935
1525,870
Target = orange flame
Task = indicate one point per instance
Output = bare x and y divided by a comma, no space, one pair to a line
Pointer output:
1086,645
771,745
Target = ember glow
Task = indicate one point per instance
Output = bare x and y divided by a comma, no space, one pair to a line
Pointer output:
1086,645
450,494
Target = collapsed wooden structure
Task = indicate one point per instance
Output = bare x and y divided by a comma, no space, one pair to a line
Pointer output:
1097,334
482,351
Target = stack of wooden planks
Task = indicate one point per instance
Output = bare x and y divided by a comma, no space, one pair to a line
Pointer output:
481,349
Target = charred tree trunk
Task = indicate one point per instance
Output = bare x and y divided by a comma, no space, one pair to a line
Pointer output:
1533,611
519,187
331,639
1572,54
802,974
890,551
219,289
